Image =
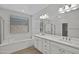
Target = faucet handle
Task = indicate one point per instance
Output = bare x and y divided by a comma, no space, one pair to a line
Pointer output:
66,38
69,39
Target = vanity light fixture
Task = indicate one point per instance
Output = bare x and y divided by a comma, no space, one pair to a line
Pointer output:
68,8
61,10
45,16
74,6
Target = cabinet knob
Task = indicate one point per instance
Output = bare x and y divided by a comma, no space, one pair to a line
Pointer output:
62,51
45,45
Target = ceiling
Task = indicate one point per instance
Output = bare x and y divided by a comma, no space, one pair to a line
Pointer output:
25,8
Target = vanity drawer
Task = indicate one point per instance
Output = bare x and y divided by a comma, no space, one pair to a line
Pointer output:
66,49
46,51
46,44
46,41
55,49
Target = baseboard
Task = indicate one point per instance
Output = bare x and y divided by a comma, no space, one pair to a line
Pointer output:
7,49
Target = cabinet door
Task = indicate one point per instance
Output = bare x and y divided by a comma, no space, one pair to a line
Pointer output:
46,46
55,49
40,44
63,51
67,52
36,42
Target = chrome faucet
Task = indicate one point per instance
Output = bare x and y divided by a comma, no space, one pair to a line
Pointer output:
67,38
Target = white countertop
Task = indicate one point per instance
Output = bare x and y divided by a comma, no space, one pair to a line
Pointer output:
59,39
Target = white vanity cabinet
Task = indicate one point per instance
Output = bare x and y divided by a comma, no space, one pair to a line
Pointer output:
42,45
57,48
50,46
54,48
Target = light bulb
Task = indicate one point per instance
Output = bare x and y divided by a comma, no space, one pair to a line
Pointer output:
74,6
61,10
66,7
68,10
40,17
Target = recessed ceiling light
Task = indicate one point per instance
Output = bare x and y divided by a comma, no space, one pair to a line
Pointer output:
23,10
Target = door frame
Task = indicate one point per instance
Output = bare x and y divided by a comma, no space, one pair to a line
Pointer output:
1,30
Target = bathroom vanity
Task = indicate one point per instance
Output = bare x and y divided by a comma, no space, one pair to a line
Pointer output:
53,44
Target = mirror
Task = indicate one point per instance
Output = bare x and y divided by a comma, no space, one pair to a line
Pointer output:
46,27
65,29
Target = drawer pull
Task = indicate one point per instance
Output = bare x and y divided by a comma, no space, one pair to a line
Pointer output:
45,45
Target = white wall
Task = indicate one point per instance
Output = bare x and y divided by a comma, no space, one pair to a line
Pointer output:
52,11
13,47
72,18
8,37
13,42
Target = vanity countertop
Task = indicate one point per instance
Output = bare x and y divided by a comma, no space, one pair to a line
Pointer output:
59,39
